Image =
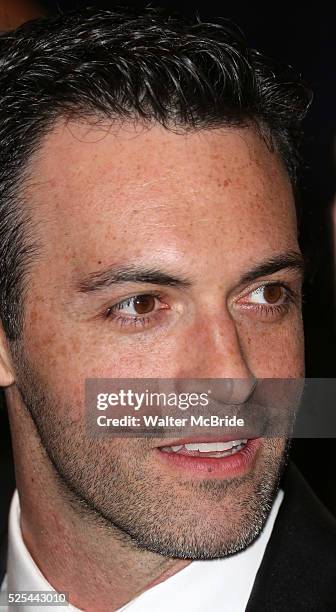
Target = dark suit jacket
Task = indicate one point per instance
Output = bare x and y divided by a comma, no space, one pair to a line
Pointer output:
298,571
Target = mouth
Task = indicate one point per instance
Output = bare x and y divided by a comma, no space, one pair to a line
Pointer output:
219,458
206,449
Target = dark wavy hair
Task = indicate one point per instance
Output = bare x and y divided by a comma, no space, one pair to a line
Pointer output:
145,65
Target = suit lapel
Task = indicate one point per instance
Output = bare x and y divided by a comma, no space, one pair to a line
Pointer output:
298,571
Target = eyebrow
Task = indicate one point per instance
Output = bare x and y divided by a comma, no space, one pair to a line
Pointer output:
292,260
98,281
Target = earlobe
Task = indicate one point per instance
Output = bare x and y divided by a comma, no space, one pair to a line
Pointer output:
6,368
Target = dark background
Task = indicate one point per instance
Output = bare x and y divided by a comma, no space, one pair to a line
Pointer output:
306,39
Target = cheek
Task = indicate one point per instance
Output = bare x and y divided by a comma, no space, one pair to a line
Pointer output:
63,355
274,350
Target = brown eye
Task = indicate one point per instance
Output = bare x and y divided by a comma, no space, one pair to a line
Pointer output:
272,293
144,304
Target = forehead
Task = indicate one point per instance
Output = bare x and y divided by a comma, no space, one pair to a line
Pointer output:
95,188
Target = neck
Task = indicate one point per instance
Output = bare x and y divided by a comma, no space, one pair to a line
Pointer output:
95,562
98,571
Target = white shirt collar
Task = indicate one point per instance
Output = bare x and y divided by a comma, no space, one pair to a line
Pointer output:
200,586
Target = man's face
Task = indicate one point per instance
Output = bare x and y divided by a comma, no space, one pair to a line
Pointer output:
204,209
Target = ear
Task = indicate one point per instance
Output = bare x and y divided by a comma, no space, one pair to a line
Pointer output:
6,368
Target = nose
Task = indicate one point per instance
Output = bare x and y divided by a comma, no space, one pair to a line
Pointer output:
214,351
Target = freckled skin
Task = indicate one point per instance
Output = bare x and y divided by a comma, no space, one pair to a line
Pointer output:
208,206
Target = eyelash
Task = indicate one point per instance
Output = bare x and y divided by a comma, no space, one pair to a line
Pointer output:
290,298
140,321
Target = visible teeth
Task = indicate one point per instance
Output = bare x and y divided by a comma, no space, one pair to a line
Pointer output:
212,447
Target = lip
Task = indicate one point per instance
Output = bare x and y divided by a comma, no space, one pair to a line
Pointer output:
231,466
205,438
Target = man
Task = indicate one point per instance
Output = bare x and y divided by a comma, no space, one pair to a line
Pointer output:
148,230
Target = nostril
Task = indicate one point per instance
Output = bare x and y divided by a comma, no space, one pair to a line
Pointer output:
242,389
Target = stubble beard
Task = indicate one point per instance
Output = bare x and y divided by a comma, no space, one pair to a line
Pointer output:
138,506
